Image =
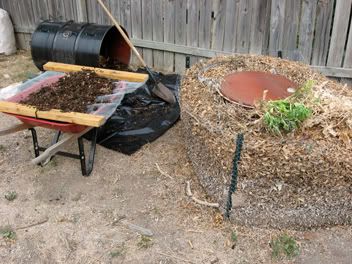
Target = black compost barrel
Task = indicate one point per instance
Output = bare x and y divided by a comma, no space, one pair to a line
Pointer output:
78,43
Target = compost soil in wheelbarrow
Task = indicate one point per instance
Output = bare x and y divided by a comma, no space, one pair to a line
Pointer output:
72,93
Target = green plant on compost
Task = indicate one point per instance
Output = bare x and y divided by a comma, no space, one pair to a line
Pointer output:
286,115
284,246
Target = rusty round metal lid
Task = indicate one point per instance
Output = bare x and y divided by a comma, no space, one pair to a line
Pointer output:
247,88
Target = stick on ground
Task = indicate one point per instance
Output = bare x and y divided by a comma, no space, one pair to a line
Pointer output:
162,172
189,194
175,257
34,224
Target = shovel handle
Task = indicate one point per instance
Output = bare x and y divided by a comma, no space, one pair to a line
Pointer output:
122,33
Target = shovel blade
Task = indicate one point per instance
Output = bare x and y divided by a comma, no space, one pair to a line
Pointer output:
161,90
164,93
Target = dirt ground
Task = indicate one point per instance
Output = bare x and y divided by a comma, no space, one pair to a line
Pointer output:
16,68
59,216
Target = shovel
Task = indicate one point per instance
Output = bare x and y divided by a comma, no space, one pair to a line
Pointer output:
159,89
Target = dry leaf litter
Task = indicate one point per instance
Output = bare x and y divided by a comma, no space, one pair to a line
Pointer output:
299,180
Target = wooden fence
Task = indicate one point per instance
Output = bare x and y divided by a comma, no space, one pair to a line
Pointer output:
174,33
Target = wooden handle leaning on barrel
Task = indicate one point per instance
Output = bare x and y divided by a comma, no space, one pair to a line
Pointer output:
122,33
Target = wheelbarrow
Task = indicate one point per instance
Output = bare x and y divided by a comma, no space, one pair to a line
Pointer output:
72,131
73,125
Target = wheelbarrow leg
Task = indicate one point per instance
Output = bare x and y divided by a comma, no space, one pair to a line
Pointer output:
56,145
53,142
37,148
87,165
56,137
35,142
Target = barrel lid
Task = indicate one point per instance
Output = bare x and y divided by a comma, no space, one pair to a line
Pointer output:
249,87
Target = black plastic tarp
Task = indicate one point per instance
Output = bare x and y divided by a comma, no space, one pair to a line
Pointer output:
141,118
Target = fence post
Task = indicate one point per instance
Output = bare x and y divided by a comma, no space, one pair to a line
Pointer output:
82,14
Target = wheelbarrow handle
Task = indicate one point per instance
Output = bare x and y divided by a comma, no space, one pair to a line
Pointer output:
14,129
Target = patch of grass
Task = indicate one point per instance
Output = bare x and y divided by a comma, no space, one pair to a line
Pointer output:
145,242
7,233
157,211
234,236
284,246
10,196
287,115
48,166
2,148
52,163
117,253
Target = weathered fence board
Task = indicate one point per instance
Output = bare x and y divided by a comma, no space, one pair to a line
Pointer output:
339,32
348,56
40,8
23,8
115,9
243,32
258,33
158,32
95,13
306,29
277,23
322,37
82,14
231,18
266,25
147,29
180,33
70,7
16,15
291,29
192,26
125,16
205,21
58,11
136,14
168,32
218,29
